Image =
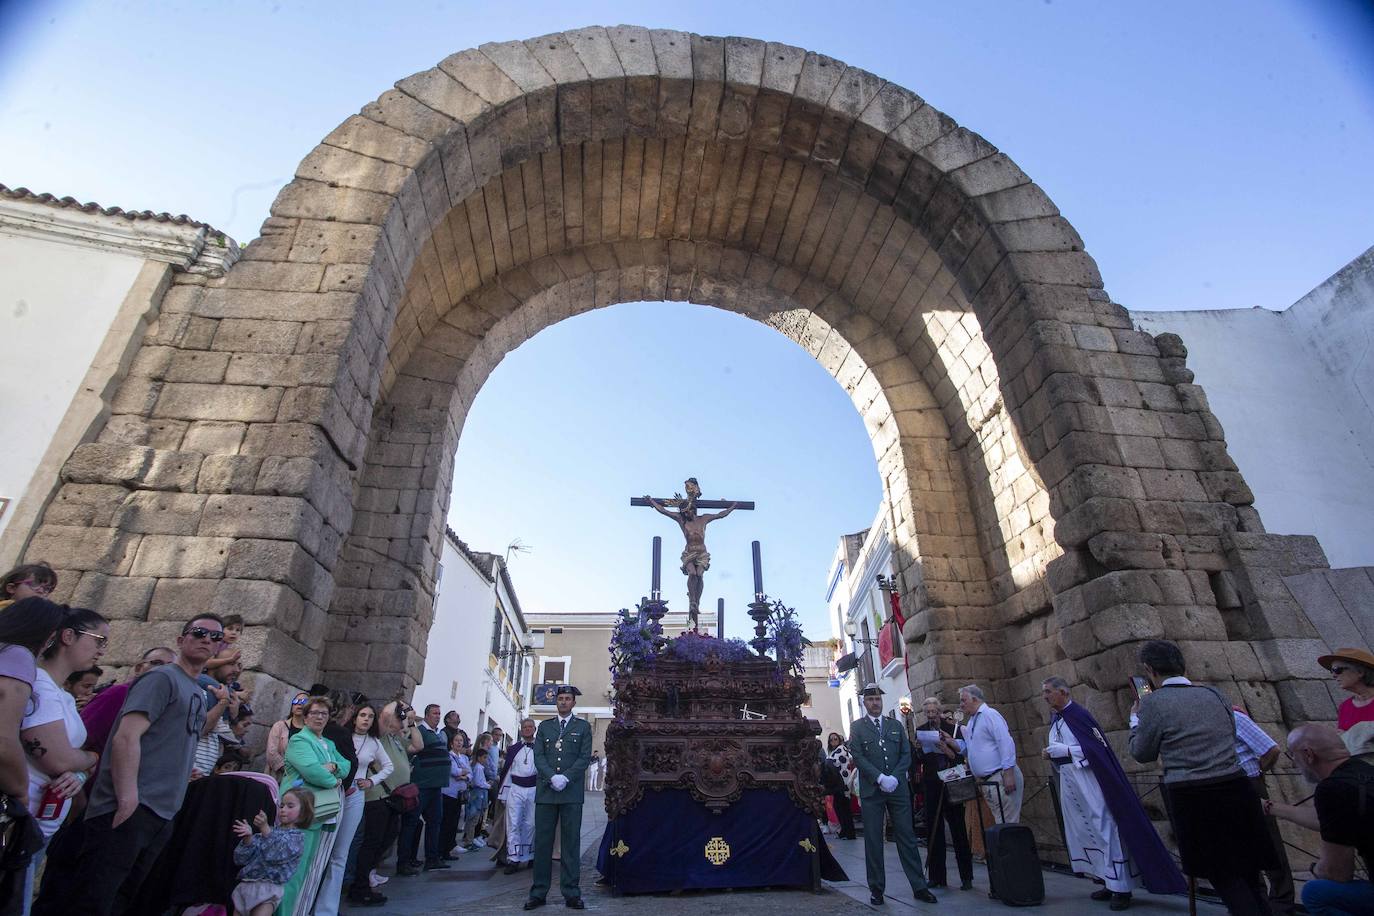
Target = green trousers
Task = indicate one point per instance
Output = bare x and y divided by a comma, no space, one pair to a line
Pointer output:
568,819
897,805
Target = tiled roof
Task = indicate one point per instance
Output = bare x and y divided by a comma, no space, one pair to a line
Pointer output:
71,203
483,562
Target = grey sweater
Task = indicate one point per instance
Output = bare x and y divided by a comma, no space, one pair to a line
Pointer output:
1191,729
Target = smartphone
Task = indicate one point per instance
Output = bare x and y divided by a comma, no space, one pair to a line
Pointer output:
1142,687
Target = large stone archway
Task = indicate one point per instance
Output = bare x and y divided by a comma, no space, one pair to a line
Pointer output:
283,446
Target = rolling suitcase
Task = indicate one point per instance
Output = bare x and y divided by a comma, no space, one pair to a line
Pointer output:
1014,875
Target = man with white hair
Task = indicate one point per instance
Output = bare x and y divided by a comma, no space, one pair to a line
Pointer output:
992,753
1109,835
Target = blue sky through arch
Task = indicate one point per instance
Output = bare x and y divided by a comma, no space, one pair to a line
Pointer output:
636,397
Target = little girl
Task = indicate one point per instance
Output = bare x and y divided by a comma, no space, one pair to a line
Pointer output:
268,861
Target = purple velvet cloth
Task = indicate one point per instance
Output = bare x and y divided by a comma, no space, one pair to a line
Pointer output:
1157,869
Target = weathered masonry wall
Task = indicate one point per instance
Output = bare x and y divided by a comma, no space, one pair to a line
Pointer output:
1060,489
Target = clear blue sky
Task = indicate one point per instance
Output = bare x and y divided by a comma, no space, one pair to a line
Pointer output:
1212,155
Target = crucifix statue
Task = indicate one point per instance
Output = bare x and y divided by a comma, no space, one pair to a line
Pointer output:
695,559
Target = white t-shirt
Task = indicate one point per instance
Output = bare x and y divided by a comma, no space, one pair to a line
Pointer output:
51,704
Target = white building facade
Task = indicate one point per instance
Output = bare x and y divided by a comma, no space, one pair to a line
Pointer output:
859,610
1294,392
83,285
478,660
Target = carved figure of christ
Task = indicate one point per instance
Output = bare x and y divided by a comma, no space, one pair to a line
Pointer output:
695,558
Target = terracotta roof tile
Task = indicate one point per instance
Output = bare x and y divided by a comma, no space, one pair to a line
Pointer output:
71,203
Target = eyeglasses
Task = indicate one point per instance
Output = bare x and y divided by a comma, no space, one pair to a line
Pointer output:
100,641
1338,670
301,701
203,633
42,588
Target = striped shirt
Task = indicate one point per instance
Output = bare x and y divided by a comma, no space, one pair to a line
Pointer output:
1252,743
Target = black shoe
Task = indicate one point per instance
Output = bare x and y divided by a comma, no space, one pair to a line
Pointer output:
1100,894
925,896
936,884
511,869
370,898
966,885
406,871
448,858
437,865
876,899
534,903
575,903
1120,902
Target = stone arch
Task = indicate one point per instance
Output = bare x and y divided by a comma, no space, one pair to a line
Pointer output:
277,448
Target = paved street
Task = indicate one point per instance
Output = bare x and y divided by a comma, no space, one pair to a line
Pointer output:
473,885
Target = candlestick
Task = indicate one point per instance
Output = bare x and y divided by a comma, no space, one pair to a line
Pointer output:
658,561
758,572
720,618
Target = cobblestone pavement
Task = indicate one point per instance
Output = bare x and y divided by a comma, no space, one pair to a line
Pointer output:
475,885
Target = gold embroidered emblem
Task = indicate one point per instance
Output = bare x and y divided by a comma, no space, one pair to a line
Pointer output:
619,849
717,851
807,845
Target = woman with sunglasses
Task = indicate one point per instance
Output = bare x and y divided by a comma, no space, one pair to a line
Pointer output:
53,732
1354,673
281,732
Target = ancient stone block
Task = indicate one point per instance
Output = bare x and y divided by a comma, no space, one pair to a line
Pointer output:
228,474
189,401
276,517
105,550
115,597
178,599
152,512
172,556
213,437
259,602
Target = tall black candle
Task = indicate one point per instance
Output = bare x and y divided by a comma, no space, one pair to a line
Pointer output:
720,618
658,562
758,573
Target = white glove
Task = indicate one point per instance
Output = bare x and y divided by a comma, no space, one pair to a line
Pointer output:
887,783
558,781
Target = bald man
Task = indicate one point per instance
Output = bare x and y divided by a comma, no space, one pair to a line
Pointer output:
1344,815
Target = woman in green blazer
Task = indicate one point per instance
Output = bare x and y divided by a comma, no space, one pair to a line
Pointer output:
314,762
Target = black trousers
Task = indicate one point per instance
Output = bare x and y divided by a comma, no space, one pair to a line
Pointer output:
453,819
1281,878
379,830
940,811
844,813
110,867
1243,894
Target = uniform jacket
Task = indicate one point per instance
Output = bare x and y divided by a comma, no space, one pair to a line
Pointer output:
875,754
571,761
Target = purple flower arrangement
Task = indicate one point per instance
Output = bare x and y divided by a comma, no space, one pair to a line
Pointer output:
698,647
784,635
635,644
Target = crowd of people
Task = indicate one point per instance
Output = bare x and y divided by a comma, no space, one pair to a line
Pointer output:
950,773
99,778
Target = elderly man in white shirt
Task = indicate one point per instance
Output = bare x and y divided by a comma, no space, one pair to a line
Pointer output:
992,752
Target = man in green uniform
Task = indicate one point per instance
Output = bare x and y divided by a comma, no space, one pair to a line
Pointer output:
883,755
562,751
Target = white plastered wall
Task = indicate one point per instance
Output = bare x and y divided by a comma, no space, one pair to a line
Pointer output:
1294,392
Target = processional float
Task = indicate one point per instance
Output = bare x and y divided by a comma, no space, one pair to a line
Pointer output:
713,773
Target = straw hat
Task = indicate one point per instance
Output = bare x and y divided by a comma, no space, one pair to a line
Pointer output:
1358,656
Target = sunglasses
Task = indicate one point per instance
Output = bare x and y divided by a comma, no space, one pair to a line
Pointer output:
1337,670
100,641
203,633
300,702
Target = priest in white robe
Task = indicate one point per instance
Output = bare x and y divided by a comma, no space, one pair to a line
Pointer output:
1109,835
